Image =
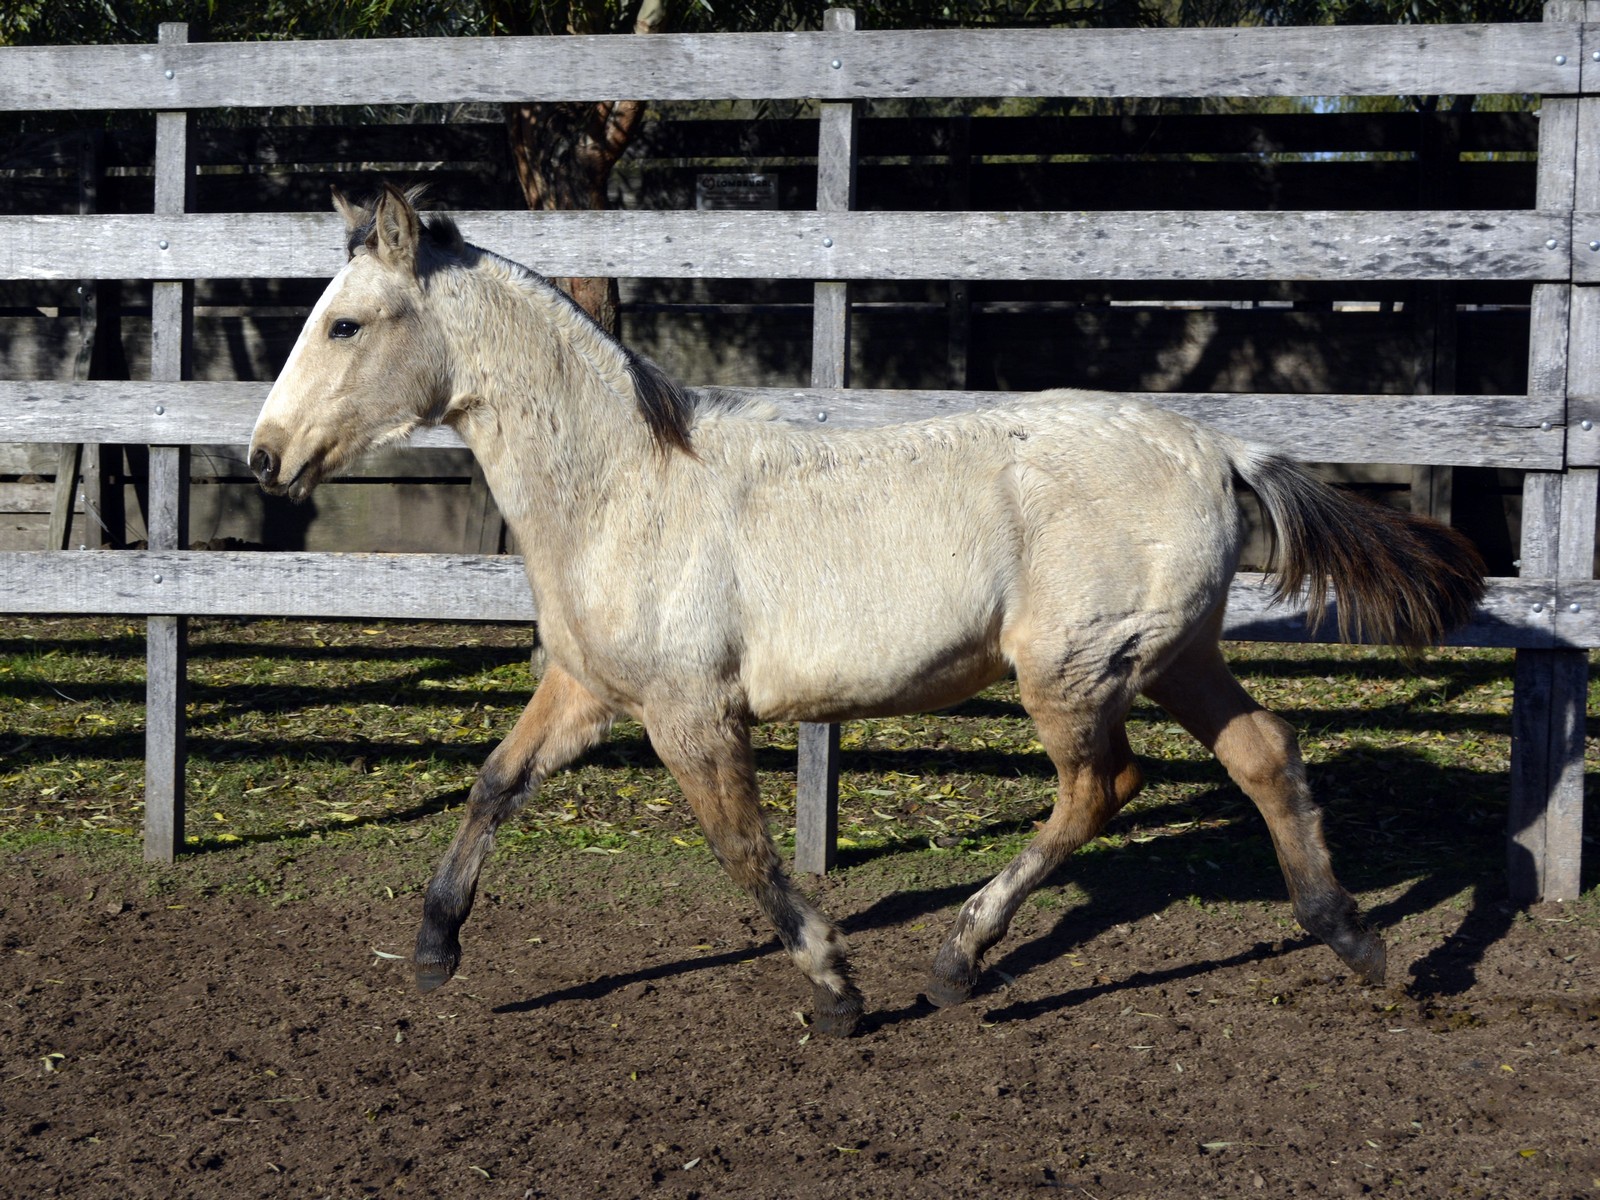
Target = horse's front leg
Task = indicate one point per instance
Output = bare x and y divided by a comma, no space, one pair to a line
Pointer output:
561,721
709,755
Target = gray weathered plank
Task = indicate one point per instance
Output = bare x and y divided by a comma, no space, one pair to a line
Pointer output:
167,509
817,771
816,803
1295,246
907,63
1501,431
475,588
1545,814
1444,430
333,585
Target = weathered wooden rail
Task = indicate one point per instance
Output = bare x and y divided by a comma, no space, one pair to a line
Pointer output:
1550,615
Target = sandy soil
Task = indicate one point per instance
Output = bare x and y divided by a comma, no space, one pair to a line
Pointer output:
623,1026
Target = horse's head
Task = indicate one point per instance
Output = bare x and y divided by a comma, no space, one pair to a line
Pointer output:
371,364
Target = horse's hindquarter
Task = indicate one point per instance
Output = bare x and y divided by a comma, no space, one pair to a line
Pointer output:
904,570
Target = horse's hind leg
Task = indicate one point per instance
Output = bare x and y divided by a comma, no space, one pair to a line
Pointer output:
1096,777
1260,752
712,762
561,721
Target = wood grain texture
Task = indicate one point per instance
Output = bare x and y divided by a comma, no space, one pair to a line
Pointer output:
1294,246
1500,431
165,731
167,513
816,829
465,587
1415,59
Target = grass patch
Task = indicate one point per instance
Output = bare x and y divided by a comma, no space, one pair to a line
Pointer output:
314,729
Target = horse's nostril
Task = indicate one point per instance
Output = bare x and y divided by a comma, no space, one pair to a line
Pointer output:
264,464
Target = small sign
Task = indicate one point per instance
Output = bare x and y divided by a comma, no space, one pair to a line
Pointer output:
726,189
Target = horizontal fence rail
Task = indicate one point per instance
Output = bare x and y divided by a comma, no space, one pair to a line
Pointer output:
1295,246
1525,613
1322,61
1491,431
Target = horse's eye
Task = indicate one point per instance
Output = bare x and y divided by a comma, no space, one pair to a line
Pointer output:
344,329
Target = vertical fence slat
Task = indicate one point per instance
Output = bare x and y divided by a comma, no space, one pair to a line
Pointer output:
1545,825
167,515
817,775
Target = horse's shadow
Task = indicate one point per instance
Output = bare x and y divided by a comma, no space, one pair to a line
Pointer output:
1139,880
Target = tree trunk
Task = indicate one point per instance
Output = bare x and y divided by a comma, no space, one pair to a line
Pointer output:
564,153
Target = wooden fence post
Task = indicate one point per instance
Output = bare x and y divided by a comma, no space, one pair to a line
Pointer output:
167,516
816,823
1545,826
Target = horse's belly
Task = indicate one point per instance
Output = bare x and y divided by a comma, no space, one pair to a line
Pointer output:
872,665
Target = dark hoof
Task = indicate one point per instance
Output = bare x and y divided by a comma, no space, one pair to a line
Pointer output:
434,960
1367,957
432,975
952,979
943,993
837,1014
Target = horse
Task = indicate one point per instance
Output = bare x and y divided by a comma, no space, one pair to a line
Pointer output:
700,566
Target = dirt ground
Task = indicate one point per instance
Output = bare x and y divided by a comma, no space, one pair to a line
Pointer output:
623,1026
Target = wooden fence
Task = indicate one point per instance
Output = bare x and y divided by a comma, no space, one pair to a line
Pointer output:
1138,335
1548,613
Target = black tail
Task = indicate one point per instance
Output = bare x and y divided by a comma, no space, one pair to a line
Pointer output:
1400,579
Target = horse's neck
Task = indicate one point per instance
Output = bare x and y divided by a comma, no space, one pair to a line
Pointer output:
549,411
548,407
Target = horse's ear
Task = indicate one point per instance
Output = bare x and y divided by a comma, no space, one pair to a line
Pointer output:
396,230
352,215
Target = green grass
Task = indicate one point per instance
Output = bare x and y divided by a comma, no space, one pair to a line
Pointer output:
305,730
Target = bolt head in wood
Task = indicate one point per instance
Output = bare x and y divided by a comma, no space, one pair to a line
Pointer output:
1561,60
836,64
1551,243
1538,608
170,73
822,416
163,243
1574,607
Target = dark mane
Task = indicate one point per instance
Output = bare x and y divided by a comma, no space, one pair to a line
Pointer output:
667,408
438,230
